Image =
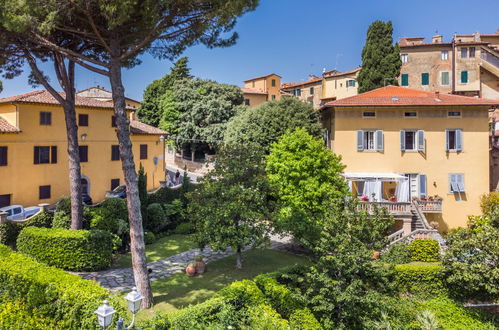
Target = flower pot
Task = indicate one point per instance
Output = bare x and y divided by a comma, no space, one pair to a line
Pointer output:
190,270
200,267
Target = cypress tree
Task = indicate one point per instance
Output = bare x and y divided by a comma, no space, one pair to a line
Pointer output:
380,58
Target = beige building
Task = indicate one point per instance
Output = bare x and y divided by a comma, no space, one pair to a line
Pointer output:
309,91
261,89
466,65
338,85
100,94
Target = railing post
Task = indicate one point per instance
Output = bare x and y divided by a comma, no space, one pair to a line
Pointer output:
3,217
407,227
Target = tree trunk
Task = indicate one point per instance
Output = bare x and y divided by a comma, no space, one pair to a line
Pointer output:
137,247
239,260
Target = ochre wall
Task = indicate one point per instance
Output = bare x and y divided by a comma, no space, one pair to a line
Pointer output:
255,99
340,89
21,178
435,162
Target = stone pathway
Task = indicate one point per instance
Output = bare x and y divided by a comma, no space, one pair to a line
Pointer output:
122,279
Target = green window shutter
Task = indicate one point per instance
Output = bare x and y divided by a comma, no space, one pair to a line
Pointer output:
405,79
464,76
425,79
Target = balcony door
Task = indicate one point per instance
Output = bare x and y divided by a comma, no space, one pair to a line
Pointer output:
413,185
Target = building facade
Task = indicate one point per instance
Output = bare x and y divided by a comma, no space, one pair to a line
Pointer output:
338,85
33,144
261,89
309,91
401,145
100,94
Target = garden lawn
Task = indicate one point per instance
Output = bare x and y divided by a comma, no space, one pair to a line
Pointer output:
179,290
163,248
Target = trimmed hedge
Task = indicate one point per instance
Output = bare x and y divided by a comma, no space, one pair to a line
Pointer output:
427,250
278,295
77,250
32,292
9,231
303,319
420,279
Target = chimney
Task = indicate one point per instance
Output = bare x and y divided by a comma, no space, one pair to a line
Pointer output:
476,36
312,76
436,39
437,94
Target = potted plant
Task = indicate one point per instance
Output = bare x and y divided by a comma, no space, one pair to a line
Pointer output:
190,270
392,199
200,265
364,198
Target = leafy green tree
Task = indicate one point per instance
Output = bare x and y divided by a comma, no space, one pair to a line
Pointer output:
230,208
307,180
152,108
169,113
266,123
204,107
380,58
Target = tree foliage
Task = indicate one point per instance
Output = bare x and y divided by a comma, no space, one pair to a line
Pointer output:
380,58
230,208
266,123
307,180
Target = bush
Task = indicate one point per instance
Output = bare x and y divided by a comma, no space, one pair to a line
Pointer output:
34,292
41,220
489,203
242,294
156,218
397,254
8,233
184,228
427,250
420,279
149,237
64,205
279,296
61,220
77,250
264,317
303,319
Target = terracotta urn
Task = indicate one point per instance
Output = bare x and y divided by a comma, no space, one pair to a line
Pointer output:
190,270
200,265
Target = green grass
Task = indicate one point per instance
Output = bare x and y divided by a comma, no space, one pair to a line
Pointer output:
179,290
163,248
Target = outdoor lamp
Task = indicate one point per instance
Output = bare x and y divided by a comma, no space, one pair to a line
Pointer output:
162,138
105,314
134,300
84,136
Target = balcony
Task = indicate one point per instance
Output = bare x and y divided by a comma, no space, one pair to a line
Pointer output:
430,206
393,208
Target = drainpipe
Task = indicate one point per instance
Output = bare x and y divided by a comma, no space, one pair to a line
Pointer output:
453,64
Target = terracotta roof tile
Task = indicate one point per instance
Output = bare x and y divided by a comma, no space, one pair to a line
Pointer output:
402,96
252,91
334,73
264,76
303,83
137,127
5,127
44,97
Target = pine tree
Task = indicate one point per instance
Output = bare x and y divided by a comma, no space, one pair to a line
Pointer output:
380,58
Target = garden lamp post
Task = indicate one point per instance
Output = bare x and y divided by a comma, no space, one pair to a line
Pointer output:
105,312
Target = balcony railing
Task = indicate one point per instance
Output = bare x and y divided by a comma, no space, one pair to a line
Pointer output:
393,208
430,206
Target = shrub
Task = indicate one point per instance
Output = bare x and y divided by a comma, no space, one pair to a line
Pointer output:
264,317
8,233
420,279
149,237
397,254
184,228
64,205
41,220
77,250
279,296
303,319
15,315
489,203
156,218
35,292
242,294
215,311
61,220
427,250
115,207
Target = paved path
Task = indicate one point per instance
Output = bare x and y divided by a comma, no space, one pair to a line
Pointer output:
122,279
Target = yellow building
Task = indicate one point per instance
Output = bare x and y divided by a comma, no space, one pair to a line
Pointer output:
33,144
338,85
261,89
309,91
100,94
406,148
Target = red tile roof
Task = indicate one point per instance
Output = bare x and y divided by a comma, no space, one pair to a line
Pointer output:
334,73
137,127
402,96
5,127
264,76
303,83
252,91
44,97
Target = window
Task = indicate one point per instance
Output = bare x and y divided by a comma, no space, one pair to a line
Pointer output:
273,82
297,92
45,155
472,51
246,101
422,185
115,183
370,140
82,120
456,183
369,114
454,140
273,97
83,150
350,83
3,156
410,114
4,200
45,118
404,58
425,79
444,55
464,77
43,192
405,79
113,121
454,114
444,78
143,151
253,84
412,140
115,152
464,52
311,91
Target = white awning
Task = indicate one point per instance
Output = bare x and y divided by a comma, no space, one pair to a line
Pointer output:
373,176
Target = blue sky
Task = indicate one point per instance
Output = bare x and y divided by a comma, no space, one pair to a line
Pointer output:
294,38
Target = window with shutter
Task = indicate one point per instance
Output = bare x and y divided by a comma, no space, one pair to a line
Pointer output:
464,77
456,183
4,200
41,155
3,156
408,140
311,91
83,150
464,52
454,140
115,152
44,192
82,120
143,151
402,140
45,118
115,183
360,140
53,154
420,139
444,78
405,79
422,186
425,79
379,140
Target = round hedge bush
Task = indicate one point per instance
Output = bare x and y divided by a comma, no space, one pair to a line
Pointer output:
76,250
